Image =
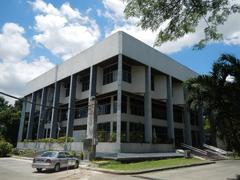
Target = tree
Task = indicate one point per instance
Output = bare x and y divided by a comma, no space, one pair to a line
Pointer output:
218,93
9,121
181,17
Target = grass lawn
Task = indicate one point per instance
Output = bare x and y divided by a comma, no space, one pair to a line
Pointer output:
163,163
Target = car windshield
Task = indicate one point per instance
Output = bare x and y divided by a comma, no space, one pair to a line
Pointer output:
49,154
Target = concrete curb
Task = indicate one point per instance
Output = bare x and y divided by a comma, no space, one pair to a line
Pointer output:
143,171
22,157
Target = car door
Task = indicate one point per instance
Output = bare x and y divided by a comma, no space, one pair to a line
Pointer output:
62,159
70,159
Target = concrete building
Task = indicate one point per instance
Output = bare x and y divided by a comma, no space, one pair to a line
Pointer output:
140,99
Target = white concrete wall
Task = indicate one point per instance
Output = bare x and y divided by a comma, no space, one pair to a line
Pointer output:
178,95
115,44
138,81
145,148
160,91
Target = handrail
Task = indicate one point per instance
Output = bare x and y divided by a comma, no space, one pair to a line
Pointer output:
221,151
194,149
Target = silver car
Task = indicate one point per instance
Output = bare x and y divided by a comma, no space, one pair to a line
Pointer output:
54,160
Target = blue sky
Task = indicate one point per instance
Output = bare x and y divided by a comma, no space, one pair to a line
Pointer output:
37,34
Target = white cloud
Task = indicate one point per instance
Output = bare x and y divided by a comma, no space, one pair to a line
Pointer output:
64,31
13,45
15,69
114,12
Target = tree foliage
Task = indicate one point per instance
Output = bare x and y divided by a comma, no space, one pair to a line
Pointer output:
182,17
9,120
218,93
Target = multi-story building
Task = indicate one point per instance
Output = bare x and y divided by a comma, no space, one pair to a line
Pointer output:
140,99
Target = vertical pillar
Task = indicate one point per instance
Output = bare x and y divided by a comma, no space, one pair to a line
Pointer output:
31,116
42,114
54,126
170,120
119,101
187,123
22,119
201,125
91,119
71,106
148,106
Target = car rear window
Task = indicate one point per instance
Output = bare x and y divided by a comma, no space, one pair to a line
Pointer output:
49,154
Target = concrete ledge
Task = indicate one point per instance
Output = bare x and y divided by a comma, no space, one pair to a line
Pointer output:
22,157
143,171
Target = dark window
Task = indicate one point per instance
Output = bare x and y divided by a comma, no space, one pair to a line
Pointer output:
152,83
160,134
104,106
67,90
63,114
81,111
194,118
136,132
123,131
178,114
81,127
110,74
159,111
178,137
127,73
124,104
103,132
85,82
137,106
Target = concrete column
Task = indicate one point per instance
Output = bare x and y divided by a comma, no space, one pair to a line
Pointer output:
31,116
42,114
187,123
91,119
148,106
111,127
112,104
119,101
54,126
170,120
71,105
22,119
201,125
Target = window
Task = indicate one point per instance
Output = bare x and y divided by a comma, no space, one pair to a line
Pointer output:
160,134
104,106
67,89
124,104
123,131
178,137
81,111
85,82
110,74
81,127
63,114
136,132
103,132
137,106
178,114
159,111
194,118
127,73
152,83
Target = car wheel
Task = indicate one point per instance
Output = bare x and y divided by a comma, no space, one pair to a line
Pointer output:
57,167
39,169
76,165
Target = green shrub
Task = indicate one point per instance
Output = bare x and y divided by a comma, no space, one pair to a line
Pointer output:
73,153
113,137
5,148
16,151
81,155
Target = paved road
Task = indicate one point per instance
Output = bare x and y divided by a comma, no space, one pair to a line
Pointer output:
14,169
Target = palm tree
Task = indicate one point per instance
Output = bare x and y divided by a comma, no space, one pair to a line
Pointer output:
218,93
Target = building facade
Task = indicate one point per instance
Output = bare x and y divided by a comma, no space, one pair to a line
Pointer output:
139,96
